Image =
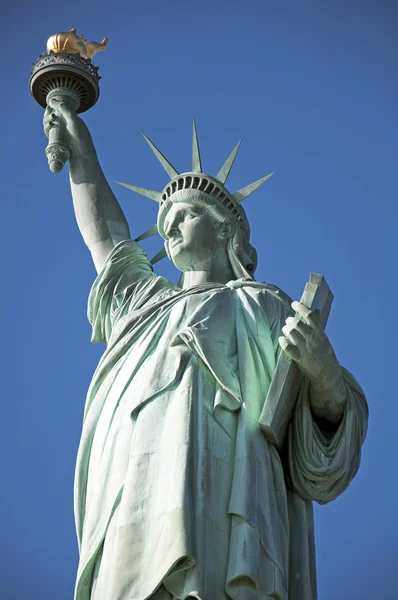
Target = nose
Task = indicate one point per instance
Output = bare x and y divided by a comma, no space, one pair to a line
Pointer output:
174,227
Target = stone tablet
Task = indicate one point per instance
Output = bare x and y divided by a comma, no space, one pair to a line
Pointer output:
282,393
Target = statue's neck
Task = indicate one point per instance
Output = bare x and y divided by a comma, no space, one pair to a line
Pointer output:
216,270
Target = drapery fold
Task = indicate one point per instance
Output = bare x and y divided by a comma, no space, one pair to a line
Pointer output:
323,464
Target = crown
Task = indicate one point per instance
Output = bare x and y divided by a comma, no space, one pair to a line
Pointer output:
196,180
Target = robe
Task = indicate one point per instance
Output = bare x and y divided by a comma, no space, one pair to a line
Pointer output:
176,485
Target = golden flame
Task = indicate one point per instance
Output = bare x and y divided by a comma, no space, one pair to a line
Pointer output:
74,44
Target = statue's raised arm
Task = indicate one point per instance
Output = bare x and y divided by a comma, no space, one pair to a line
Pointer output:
99,216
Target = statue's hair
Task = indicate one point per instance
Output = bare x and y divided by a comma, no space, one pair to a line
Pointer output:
242,255
198,198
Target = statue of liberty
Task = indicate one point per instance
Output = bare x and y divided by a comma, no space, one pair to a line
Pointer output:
178,493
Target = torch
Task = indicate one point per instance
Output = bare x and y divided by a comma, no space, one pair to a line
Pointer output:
67,73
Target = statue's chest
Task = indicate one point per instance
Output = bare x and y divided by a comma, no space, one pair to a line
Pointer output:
211,314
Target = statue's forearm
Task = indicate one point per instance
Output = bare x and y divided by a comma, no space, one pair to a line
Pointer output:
99,216
328,404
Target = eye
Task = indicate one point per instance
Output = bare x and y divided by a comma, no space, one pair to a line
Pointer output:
191,215
172,232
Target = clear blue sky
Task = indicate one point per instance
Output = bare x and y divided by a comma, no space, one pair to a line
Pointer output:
312,89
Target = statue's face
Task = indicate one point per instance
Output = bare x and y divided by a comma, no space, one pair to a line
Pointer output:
191,235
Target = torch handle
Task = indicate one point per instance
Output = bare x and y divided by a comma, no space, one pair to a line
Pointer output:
58,151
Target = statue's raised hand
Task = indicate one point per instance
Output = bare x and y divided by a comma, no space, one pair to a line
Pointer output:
60,114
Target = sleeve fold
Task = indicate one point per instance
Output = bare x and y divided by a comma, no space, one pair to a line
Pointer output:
119,287
322,465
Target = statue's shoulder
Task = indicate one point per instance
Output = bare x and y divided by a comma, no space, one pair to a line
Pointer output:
262,289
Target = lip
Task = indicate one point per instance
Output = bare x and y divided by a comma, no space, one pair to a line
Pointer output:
176,242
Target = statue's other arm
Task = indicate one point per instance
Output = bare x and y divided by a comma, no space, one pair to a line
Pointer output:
99,216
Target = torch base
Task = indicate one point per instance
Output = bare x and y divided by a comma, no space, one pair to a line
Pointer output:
64,70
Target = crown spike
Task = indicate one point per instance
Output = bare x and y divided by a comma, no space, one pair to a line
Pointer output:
196,162
227,166
157,196
243,193
168,167
148,233
159,256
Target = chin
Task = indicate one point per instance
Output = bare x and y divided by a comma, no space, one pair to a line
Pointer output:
178,261
179,255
